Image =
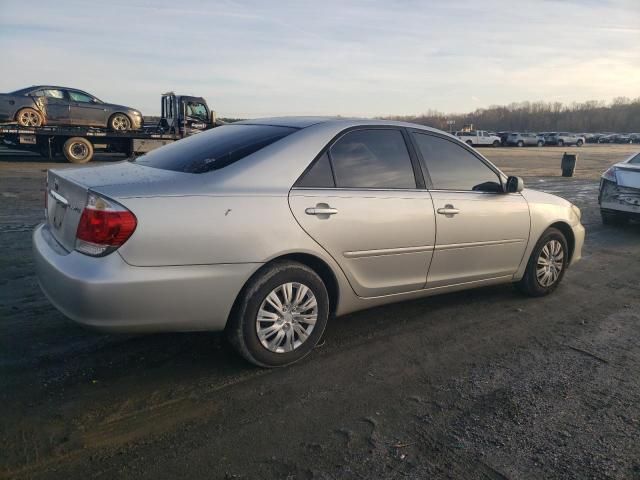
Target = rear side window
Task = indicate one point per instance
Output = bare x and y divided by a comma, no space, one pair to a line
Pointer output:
374,158
214,149
319,175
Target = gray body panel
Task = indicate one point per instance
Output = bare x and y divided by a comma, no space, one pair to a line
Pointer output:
196,230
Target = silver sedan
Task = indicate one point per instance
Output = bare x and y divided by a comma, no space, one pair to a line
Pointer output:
268,228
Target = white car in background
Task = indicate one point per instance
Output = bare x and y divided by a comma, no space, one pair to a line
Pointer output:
479,138
619,196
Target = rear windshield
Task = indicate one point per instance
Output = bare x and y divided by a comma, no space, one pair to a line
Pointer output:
635,160
214,149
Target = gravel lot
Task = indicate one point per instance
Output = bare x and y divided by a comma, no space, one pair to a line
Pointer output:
479,384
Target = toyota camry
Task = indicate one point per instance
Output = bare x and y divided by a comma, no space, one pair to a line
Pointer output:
269,228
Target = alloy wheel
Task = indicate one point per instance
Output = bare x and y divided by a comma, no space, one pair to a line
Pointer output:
120,122
29,119
550,263
286,317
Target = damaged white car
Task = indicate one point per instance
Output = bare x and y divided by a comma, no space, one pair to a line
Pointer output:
619,196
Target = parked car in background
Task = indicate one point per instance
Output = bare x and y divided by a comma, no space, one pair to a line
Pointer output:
50,105
524,140
477,138
564,138
619,196
607,138
124,246
503,137
623,138
635,137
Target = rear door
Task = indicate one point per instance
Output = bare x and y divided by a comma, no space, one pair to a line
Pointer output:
54,104
482,232
363,203
86,110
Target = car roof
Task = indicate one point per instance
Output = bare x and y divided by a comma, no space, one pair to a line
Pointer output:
57,87
344,122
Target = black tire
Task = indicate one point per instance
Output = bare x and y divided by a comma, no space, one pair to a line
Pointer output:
78,150
579,143
29,117
520,143
496,143
119,122
612,218
540,143
529,284
561,143
242,326
469,142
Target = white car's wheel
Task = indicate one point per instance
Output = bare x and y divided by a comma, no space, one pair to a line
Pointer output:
547,264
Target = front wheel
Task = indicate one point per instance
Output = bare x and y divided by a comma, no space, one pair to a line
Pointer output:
520,143
78,150
540,143
579,143
280,315
120,122
546,265
496,143
470,143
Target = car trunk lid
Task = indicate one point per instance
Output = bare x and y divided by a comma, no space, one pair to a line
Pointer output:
67,192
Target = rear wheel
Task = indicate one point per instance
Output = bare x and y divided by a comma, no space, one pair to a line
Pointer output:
612,218
29,117
520,143
561,143
119,122
78,150
546,265
280,315
540,143
579,143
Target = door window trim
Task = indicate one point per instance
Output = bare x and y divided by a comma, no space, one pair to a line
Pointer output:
415,162
423,164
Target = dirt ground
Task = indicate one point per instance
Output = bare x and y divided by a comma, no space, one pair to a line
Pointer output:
480,384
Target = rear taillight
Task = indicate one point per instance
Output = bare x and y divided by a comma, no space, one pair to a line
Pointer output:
610,175
104,226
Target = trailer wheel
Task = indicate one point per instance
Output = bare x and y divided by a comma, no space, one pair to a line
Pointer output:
28,117
120,122
78,150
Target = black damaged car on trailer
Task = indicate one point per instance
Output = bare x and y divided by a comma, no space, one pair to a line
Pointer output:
51,105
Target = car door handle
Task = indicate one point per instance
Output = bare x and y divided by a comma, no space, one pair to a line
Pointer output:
320,211
448,210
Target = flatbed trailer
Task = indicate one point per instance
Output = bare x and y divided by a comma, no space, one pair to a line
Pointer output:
78,144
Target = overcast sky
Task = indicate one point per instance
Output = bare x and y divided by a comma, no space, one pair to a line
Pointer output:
363,58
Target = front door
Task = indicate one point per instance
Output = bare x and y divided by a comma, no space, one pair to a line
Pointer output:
359,201
86,111
482,232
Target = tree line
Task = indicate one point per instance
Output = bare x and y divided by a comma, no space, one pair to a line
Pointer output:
621,115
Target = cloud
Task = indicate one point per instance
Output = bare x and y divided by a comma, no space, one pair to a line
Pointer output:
252,58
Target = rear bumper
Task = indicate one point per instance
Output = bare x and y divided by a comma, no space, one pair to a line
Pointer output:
109,294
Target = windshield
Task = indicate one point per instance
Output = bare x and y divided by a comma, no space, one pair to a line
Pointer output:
214,149
197,110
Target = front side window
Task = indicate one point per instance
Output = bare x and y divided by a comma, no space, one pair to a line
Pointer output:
214,149
452,167
80,97
375,158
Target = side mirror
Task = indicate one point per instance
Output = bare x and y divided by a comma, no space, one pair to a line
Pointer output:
514,184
